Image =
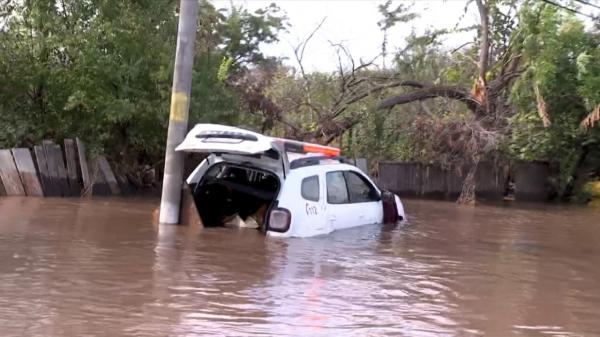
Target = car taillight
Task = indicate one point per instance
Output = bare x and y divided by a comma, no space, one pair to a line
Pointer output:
280,220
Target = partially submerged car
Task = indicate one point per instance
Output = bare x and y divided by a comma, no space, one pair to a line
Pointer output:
280,186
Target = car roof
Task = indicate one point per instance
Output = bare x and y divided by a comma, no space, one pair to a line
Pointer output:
328,167
306,171
316,161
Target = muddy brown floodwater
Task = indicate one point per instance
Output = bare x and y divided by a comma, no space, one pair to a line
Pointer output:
73,268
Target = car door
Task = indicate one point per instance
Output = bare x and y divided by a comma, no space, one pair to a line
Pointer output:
351,200
340,213
313,207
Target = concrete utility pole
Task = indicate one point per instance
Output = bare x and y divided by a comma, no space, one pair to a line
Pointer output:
178,117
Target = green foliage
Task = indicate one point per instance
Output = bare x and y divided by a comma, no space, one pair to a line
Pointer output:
588,75
101,70
212,101
224,67
243,32
103,90
393,16
561,59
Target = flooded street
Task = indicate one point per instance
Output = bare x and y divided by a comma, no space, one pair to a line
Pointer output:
72,268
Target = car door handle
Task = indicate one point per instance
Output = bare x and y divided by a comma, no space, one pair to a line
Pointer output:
332,218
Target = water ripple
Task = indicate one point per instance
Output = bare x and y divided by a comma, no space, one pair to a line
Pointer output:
75,268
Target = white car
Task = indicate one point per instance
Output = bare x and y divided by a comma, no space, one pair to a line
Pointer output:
283,187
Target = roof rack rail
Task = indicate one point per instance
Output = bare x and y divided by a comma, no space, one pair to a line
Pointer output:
311,161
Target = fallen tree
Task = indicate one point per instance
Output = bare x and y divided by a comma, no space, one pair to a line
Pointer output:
316,107
473,138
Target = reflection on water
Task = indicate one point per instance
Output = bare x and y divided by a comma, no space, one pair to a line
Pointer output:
73,268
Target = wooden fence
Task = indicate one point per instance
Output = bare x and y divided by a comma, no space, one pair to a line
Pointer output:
532,181
52,173
361,163
420,180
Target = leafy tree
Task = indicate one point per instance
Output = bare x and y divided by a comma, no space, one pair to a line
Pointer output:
560,86
538,101
476,135
101,70
391,17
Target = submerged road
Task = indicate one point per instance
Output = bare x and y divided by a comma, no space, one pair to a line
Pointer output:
71,267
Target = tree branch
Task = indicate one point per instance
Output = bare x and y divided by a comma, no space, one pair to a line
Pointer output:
299,55
357,97
427,92
460,47
310,37
414,84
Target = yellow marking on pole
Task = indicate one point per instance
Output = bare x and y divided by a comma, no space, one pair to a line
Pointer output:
179,107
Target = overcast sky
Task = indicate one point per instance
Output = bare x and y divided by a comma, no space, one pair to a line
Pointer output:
354,23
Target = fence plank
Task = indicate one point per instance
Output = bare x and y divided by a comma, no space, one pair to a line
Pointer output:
52,169
27,171
401,178
433,181
62,171
72,172
83,165
56,168
454,183
410,177
531,181
99,184
490,181
414,179
10,175
126,187
47,183
385,178
109,176
361,163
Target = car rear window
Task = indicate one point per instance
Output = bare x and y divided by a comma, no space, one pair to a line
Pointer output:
310,188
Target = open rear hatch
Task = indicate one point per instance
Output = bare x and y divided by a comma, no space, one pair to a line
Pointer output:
236,145
215,138
241,177
229,192
223,140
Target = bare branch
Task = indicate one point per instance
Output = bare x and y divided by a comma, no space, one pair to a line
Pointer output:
303,44
357,97
502,81
460,47
299,55
427,92
341,47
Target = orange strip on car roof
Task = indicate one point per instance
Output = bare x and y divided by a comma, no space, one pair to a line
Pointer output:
326,150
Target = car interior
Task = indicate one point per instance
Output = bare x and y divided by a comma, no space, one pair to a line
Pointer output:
231,193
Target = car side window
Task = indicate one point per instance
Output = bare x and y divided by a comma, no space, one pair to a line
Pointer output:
359,188
310,188
337,193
